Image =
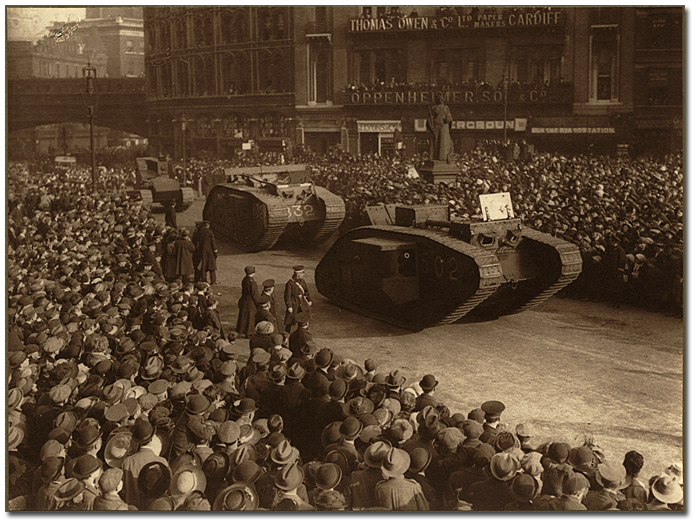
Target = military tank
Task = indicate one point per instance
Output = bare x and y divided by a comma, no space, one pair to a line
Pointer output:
154,184
260,206
416,268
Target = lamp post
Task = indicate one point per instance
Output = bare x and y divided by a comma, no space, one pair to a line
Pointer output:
505,105
183,122
90,74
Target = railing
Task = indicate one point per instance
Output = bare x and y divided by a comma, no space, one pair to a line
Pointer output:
77,85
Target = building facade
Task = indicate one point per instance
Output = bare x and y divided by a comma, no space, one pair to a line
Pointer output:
570,79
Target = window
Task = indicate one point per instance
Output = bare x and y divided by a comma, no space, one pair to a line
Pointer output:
320,89
129,46
604,43
455,66
380,67
321,26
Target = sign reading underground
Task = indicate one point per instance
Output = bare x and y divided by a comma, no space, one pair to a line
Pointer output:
508,18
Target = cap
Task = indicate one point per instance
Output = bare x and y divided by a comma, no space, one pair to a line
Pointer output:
298,267
302,318
268,283
493,408
249,270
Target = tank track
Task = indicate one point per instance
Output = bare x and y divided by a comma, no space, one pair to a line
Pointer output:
571,266
488,264
334,215
276,222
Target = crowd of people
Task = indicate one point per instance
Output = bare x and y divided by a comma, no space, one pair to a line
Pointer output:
125,392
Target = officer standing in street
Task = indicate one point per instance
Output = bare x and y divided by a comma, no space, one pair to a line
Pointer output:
296,297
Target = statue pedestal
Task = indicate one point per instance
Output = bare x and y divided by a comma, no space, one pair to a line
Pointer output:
435,171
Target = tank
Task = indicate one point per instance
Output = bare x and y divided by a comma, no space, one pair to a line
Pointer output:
261,206
154,184
416,268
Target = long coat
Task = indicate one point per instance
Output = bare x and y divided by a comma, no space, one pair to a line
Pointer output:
247,307
207,247
438,123
184,249
296,296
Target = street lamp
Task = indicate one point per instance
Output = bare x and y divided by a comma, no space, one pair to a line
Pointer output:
90,74
505,105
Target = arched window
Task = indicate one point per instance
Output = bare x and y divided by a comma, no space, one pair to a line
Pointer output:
265,23
182,71
280,65
236,74
266,72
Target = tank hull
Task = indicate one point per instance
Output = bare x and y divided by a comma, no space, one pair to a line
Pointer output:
417,278
254,219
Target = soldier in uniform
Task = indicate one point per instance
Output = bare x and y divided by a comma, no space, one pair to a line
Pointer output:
492,425
296,297
208,251
268,289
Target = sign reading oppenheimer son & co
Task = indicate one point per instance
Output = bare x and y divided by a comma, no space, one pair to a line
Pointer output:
508,18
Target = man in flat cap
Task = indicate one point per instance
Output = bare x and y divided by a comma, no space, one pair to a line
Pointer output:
247,304
296,297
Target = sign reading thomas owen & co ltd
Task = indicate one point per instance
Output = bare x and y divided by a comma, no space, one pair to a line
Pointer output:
508,18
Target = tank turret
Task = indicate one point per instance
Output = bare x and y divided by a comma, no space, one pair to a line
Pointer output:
415,267
260,206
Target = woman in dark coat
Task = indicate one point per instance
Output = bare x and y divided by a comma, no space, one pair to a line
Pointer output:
247,304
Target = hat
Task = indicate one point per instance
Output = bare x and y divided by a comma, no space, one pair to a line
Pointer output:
574,483
298,267
164,503
67,420
86,465
338,389
268,283
558,452
370,365
420,459
158,387
50,468
493,408
472,429
116,412
505,441
524,430
451,437
260,356
302,318
277,373
60,393
504,466
216,466
187,478
428,383
531,463
581,459
86,436
229,432
524,487
118,448
153,368
154,479
289,477
248,471
395,463
324,358
350,429
375,454
285,453
68,490
51,448
296,371
666,489
401,430
348,372
384,416
197,404
244,406
265,327
143,431
676,471
110,478
610,474
249,270
328,475
15,436
394,379
240,496
358,406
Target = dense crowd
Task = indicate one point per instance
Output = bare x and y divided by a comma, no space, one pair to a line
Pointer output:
125,392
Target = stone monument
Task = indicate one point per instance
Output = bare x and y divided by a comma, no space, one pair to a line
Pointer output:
440,168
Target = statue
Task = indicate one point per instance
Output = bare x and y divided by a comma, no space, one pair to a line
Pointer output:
439,120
